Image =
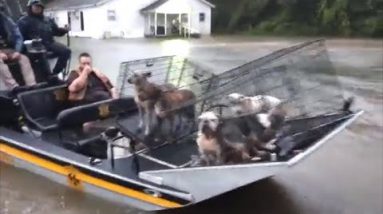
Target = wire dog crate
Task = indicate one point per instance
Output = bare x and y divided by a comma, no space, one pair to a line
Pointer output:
302,76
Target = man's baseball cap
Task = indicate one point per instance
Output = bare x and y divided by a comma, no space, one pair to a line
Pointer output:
35,2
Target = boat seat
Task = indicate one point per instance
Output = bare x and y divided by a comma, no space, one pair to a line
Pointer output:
9,111
46,121
70,122
4,96
41,107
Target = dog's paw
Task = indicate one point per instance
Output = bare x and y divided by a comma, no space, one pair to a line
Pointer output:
139,129
195,161
262,155
171,139
256,158
270,147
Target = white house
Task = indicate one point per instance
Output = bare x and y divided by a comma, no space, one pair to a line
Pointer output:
132,18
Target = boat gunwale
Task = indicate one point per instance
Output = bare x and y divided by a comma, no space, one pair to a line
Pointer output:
92,169
289,163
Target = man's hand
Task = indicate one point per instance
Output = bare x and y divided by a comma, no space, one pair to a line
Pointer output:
15,56
114,93
87,69
3,56
66,27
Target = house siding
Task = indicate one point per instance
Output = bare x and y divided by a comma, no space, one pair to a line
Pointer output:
129,23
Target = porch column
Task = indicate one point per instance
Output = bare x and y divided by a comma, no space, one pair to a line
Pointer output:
155,23
166,23
189,24
149,23
179,24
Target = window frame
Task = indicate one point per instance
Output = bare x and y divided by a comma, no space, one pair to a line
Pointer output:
111,15
202,17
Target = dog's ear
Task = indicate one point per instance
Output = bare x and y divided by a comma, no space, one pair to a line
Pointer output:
148,74
220,125
242,98
220,121
130,81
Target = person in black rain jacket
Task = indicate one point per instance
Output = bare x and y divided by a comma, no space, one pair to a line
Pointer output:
35,25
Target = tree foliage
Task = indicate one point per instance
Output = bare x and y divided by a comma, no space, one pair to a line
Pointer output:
305,17
286,17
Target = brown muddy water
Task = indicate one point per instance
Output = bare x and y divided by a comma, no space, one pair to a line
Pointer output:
344,177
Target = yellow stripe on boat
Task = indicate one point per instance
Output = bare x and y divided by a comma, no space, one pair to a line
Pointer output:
75,177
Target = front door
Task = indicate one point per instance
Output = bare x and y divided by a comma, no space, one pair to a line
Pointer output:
76,21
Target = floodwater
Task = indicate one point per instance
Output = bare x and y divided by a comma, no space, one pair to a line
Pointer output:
344,177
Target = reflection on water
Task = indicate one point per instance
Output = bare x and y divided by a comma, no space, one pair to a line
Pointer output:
177,47
265,196
26,193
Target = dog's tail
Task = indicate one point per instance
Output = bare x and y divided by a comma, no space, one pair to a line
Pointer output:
277,117
347,104
273,101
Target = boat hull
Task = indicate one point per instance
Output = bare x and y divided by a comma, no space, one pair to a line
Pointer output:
91,182
206,182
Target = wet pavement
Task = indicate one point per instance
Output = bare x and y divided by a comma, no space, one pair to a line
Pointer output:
345,176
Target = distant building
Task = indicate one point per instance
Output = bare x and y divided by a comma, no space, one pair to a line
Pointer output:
132,18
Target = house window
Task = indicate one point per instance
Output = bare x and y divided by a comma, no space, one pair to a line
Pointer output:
111,15
201,17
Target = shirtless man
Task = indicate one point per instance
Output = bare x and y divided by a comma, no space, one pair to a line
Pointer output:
88,84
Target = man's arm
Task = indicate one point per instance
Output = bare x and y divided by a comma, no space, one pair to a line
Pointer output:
112,90
3,56
57,31
80,82
23,27
16,35
114,93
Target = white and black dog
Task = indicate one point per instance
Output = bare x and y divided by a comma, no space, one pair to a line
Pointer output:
264,127
214,147
238,139
242,105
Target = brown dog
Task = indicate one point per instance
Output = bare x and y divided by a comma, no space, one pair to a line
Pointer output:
175,104
146,95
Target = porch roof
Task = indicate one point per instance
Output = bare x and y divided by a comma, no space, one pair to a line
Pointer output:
153,6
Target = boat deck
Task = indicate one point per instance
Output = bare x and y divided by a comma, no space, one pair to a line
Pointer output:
128,124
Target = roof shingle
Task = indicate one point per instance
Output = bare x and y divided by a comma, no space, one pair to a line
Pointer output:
158,3
73,4
79,4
